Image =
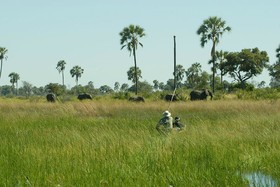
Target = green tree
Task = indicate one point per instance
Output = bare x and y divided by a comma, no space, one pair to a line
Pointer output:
246,64
134,76
124,87
3,52
193,73
144,87
204,80
89,88
211,30
156,84
261,84
196,78
169,84
14,77
221,58
116,86
76,72
38,91
130,39
5,90
77,89
61,67
105,89
180,73
26,89
274,71
161,85
55,88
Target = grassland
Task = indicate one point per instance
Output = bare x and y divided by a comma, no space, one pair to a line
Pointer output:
114,143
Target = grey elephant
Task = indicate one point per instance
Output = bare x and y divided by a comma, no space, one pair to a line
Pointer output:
200,95
171,97
137,99
84,96
50,97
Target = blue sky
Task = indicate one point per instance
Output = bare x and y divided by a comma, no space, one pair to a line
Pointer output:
39,33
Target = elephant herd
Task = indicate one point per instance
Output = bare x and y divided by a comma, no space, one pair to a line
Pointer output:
194,95
52,98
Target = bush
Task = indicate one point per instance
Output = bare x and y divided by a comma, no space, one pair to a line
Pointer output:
259,94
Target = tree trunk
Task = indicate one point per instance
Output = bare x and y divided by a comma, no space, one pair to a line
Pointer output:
1,67
213,78
222,81
213,55
62,78
135,71
16,88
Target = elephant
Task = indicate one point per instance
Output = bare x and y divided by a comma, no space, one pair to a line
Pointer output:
51,97
84,96
137,99
171,97
200,95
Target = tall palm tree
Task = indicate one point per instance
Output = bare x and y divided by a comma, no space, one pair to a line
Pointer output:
14,79
211,30
61,67
130,39
76,72
3,56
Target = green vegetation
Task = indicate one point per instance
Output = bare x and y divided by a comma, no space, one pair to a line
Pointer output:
114,143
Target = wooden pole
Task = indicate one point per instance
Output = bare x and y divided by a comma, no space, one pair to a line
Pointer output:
175,81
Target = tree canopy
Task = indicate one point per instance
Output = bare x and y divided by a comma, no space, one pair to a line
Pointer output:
3,55
274,71
196,78
76,72
134,76
246,64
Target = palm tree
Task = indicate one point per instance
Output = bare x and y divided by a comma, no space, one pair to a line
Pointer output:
14,79
3,56
212,29
76,72
61,67
130,39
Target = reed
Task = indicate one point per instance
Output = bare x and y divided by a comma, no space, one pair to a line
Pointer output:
114,143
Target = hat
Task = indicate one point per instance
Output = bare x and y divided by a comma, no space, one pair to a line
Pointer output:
177,118
166,114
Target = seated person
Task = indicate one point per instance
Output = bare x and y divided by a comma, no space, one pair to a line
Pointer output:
177,124
166,122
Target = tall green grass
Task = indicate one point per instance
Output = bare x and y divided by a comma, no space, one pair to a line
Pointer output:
114,143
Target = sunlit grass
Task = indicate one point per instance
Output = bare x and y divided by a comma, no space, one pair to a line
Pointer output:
114,143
